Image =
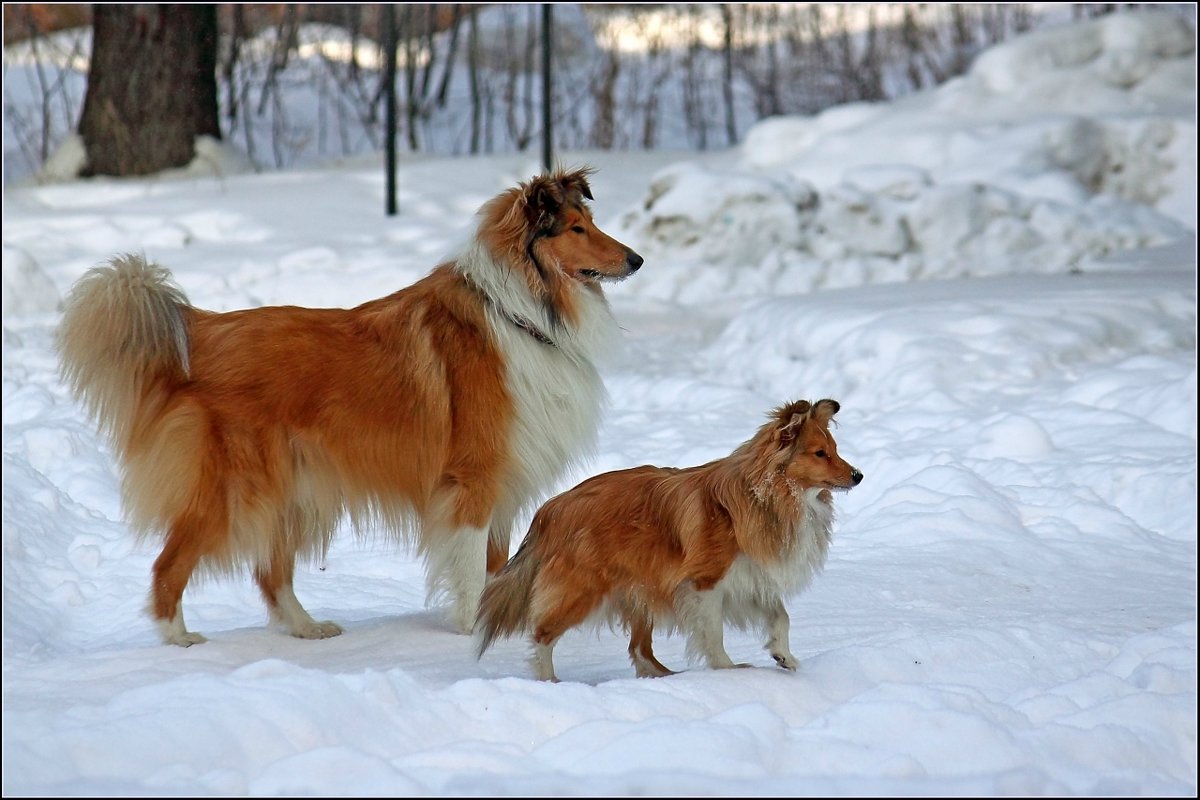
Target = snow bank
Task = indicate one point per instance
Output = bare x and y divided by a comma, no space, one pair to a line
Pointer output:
27,289
981,176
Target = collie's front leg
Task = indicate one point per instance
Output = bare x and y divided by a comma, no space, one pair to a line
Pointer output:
499,534
458,567
275,583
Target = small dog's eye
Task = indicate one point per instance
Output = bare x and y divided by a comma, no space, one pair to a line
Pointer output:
819,454
578,229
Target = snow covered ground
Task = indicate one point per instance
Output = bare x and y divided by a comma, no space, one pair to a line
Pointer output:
996,279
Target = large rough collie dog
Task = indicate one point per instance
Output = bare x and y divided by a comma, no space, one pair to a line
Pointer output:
693,548
440,411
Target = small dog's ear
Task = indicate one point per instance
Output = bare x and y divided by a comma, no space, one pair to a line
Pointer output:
786,412
790,429
790,417
824,410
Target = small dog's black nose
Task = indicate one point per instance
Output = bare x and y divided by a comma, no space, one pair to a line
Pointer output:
856,477
634,261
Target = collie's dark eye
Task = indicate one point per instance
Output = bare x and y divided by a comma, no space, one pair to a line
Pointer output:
578,229
819,454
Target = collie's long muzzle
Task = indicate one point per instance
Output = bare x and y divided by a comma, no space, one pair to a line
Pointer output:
633,262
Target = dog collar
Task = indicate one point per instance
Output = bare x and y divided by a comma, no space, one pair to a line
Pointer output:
531,329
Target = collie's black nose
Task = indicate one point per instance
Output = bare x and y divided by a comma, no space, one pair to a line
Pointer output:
856,477
634,261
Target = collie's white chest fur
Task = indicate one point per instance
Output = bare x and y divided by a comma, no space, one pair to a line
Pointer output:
750,585
551,377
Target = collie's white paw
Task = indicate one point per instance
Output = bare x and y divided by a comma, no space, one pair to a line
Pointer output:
647,669
185,639
316,630
464,620
173,632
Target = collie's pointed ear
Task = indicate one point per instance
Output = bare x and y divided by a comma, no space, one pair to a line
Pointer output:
577,181
543,201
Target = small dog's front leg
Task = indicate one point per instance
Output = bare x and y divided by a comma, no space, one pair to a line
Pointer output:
778,627
703,621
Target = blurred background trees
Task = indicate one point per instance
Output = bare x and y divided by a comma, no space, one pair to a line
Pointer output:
152,87
295,83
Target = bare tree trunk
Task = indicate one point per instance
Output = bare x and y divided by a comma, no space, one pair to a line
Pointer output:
693,100
727,83
547,86
388,23
530,49
410,78
286,40
870,66
604,98
910,37
473,77
963,39
152,87
427,32
354,21
237,35
452,50
774,104
519,76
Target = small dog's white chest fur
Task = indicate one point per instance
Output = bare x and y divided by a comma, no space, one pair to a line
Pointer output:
751,585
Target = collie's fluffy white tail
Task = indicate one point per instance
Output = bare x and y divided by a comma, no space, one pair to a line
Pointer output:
123,330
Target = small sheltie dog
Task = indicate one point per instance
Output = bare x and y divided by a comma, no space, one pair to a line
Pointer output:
689,548
439,412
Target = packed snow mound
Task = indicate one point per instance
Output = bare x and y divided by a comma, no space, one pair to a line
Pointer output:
1146,59
27,288
720,232
213,158
869,344
998,171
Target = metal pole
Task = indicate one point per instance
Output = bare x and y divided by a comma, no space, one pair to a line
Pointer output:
389,100
547,85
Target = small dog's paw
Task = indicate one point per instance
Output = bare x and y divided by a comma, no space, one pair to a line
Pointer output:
647,671
785,660
729,665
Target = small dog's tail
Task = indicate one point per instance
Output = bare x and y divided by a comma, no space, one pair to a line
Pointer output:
504,607
123,333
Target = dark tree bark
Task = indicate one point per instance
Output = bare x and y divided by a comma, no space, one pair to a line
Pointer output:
152,87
